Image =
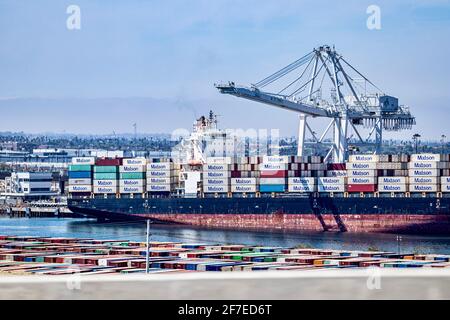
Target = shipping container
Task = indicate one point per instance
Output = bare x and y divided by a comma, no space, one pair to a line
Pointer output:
127,189
423,172
83,160
131,168
445,180
336,173
392,180
105,176
134,161
105,190
273,181
423,165
301,188
273,174
80,167
216,167
392,188
216,189
423,180
243,181
361,180
79,175
79,181
272,188
132,182
425,157
303,181
158,188
219,160
362,173
160,166
105,183
159,174
276,159
132,175
331,188
361,187
273,166
216,182
161,180
423,188
80,188
105,169
108,162
236,188
363,158
330,181
361,166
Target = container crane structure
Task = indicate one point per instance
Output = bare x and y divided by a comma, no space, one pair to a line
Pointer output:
299,86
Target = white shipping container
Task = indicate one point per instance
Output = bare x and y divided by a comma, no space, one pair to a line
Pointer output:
83,160
272,180
331,188
127,189
158,188
132,168
362,165
243,181
362,180
423,172
331,181
425,157
219,160
216,174
445,180
105,183
105,190
445,188
114,154
160,181
423,165
423,188
80,188
160,166
275,159
216,189
423,180
134,161
216,182
392,180
216,167
273,166
302,180
361,173
79,181
363,158
243,188
159,174
336,173
301,188
131,182
392,187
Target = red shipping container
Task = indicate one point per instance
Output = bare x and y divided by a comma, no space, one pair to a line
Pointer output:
362,187
274,174
109,162
336,166
235,174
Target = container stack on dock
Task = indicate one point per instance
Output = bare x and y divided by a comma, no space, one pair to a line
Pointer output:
80,176
162,176
132,176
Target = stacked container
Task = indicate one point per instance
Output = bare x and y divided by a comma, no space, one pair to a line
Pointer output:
302,184
80,175
105,176
362,173
331,184
274,173
217,175
424,172
132,176
393,173
162,176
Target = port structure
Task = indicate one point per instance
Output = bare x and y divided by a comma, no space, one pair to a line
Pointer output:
351,107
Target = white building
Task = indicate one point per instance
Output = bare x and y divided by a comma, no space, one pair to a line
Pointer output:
29,185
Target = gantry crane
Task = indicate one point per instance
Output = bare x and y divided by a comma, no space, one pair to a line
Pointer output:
349,106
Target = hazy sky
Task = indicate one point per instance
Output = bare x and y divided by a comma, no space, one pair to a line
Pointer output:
155,62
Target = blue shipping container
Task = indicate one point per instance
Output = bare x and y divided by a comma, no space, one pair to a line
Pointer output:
272,188
80,174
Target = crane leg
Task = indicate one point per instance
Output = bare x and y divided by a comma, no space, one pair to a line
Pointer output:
301,135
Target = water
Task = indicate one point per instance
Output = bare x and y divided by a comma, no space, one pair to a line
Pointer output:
86,228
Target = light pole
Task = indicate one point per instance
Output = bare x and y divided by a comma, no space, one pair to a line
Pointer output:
443,137
416,138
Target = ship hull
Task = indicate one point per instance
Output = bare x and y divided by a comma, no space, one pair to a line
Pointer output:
383,215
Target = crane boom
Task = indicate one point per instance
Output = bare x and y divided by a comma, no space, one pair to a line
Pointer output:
278,101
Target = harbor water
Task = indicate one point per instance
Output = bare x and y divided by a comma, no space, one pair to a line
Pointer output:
88,228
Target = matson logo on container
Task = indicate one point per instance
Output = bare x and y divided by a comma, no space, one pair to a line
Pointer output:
132,168
159,181
423,188
105,190
159,174
275,159
363,158
158,188
331,188
423,165
245,181
420,172
160,166
83,160
393,180
330,181
425,157
362,165
392,188
77,188
215,181
132,182
272,166
363,180
105,183
135,161
243,188
423,180
216,167
301,188
216,174
362,173
131,189
214,189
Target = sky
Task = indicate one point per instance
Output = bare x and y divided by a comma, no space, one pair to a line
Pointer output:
155,63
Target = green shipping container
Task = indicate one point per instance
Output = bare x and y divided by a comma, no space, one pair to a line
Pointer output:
80,167
106,169
132,175
105,176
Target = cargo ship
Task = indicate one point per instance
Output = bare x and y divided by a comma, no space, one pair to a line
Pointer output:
368,193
